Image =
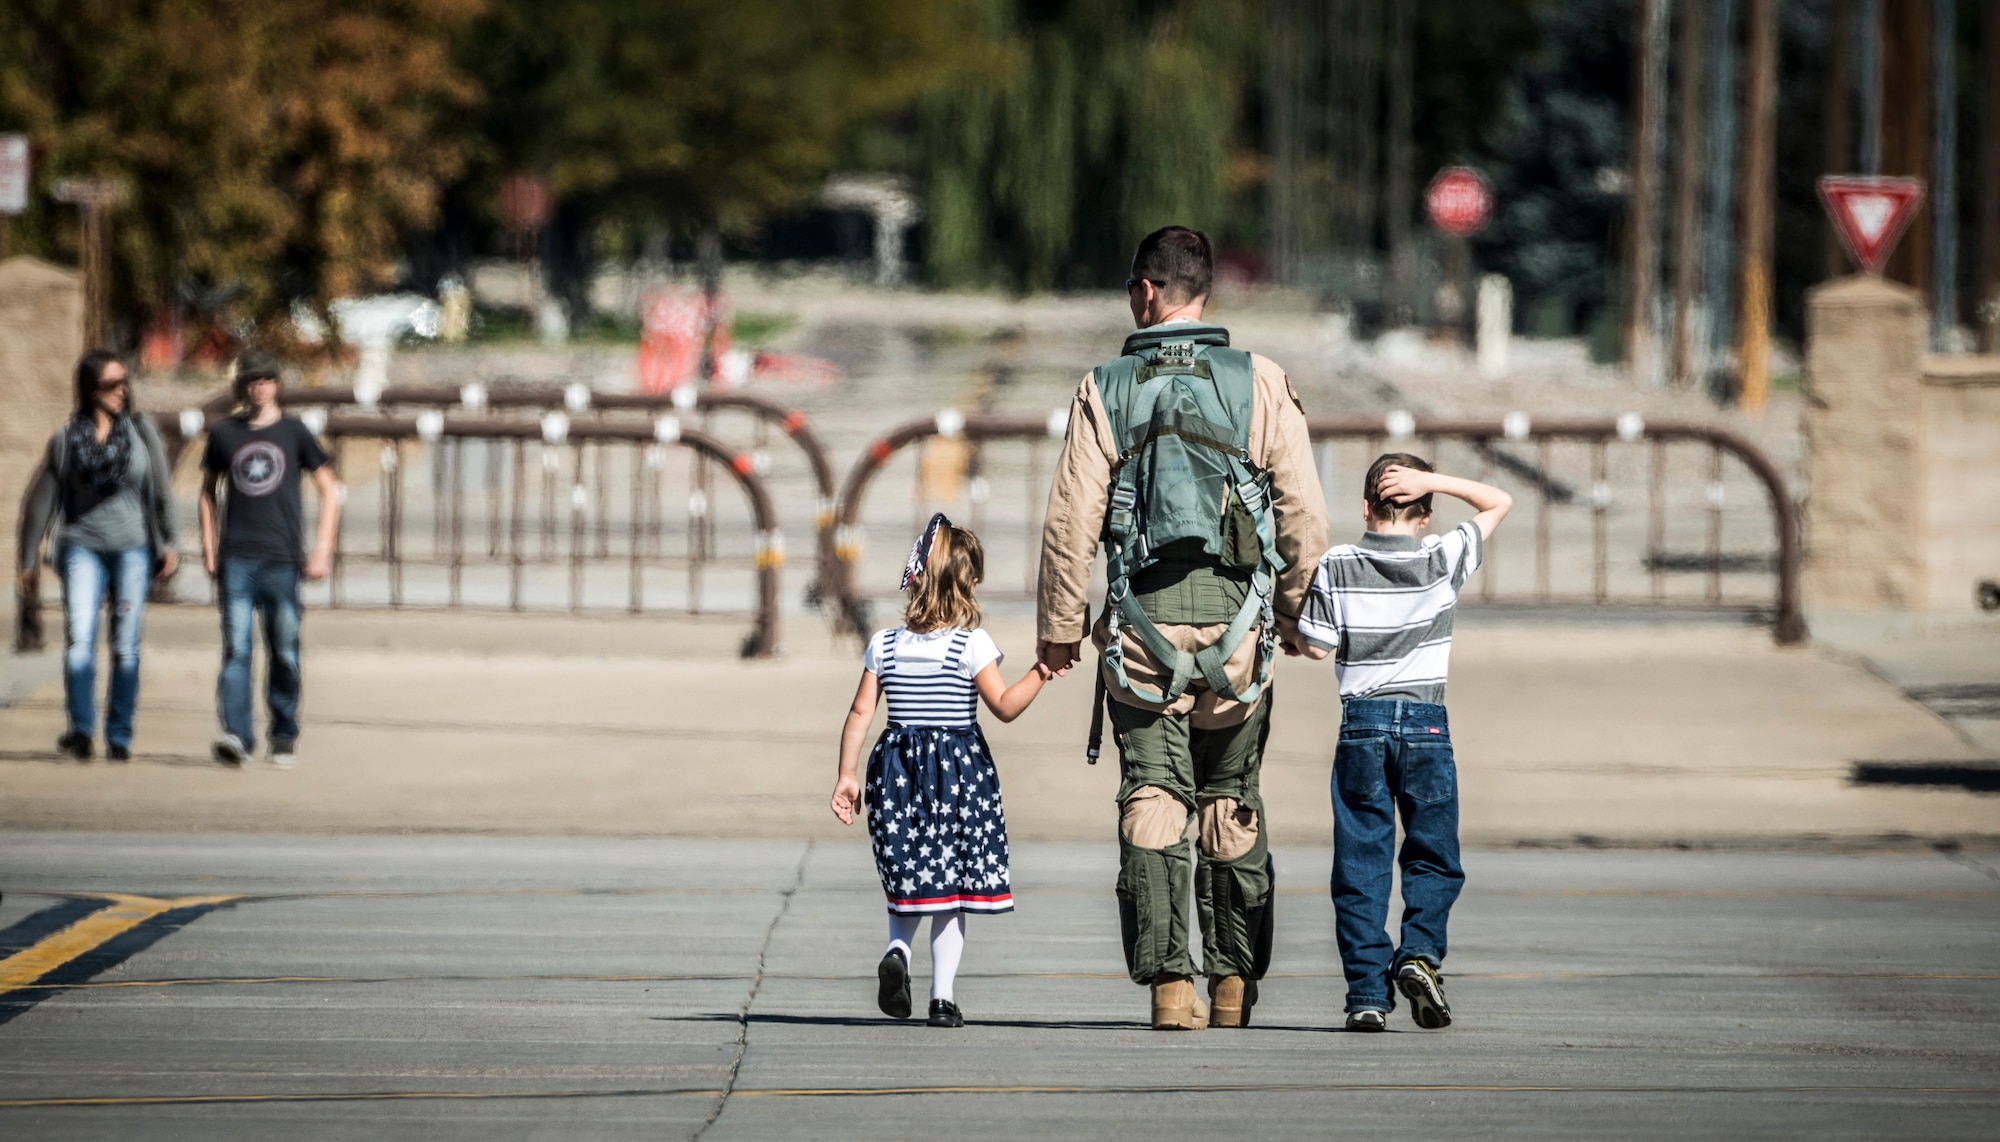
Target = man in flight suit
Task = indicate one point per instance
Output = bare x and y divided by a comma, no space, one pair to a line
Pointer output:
1194,758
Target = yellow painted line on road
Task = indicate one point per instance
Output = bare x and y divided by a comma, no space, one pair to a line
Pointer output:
125,913
915,1091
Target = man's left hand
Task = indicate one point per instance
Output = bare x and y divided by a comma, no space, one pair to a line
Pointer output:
318,565
168,562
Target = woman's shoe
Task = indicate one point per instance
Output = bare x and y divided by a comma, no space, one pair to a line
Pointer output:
75,744
945,1013
893,976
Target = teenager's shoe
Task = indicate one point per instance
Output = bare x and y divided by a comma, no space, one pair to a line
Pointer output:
893,976
1230,999
1419,981
75,744
119,752
945,1013
284,753
1367,1019
1176,1007
229,750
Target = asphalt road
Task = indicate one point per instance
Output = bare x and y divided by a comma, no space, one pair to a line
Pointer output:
516,988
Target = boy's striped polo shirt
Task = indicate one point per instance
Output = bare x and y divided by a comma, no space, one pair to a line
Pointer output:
1384,607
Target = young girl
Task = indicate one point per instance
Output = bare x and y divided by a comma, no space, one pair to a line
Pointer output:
933,796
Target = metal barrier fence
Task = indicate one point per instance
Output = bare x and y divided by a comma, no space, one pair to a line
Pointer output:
1628,446
579,400
554,525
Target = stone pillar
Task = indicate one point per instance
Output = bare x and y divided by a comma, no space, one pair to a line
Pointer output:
1863,516
41,337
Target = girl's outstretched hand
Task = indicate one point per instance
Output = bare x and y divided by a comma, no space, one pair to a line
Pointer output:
846,796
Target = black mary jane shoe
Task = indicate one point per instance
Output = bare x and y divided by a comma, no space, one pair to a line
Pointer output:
893,975
945,1013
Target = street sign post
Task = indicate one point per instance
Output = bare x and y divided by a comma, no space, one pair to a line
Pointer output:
13,185
94,197
1870,214
1460,203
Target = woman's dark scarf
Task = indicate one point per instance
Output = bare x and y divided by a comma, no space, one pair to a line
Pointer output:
99,468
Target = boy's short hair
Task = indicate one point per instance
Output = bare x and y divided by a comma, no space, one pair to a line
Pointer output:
1382,509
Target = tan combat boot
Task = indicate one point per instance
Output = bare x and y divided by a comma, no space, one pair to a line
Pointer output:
1233,997
1176,1005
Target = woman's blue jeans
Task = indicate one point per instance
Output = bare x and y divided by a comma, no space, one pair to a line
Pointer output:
87,576
246,587
1392,756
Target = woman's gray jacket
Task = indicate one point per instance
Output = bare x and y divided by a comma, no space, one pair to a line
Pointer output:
43,503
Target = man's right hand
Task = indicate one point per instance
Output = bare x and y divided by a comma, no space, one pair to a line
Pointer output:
1058,657
208,564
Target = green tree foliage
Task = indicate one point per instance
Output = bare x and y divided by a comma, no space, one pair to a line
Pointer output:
271,151
705,113
1071,130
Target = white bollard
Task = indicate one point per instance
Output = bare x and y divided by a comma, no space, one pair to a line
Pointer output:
1496,324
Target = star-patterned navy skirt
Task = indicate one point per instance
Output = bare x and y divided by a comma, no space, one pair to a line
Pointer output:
934,814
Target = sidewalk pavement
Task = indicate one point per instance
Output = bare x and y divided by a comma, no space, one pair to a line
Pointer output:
1568,732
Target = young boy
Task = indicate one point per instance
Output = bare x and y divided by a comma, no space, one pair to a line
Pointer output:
1383,608
253,545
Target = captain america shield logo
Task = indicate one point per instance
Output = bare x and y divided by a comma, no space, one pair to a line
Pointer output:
258,468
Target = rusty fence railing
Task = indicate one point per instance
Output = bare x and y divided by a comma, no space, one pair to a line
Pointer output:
767,419
571,519
1591,542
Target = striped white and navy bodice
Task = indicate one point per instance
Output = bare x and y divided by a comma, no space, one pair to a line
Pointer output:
927,693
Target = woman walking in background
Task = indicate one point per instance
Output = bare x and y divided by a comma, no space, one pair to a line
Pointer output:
105,475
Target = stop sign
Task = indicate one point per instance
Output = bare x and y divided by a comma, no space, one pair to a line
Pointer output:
1459,201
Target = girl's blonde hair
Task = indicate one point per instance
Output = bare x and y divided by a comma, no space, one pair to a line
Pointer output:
941,596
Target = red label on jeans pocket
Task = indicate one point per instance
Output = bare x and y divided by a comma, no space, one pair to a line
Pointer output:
1433,730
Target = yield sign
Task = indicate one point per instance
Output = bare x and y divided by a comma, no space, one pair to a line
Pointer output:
1870,213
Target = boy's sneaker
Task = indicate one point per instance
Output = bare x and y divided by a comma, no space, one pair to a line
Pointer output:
1419,981
119,752
893,975
945,1013
284,753
75,744
229,750
1367,1019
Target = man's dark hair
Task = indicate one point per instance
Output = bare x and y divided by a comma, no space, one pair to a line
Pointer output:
90,370
1379,508
1178,260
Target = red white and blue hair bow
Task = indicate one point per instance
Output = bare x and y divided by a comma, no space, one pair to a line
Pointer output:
920,555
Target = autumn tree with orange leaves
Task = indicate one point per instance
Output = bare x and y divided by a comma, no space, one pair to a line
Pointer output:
271,152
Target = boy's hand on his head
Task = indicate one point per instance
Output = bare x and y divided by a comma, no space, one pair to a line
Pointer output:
1401,485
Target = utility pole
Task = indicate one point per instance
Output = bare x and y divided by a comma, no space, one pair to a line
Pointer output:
1760,159
1402,160
1907,127
1944,186
1871,87
1641,344
1989,183
1688,155
1286,77
1838,112
1717,260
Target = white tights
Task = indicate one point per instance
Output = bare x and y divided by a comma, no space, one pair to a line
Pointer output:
947,945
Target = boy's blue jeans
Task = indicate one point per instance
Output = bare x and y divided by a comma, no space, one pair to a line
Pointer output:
245,587
86,576
1392,756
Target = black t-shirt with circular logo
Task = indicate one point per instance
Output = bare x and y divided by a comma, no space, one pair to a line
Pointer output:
262,518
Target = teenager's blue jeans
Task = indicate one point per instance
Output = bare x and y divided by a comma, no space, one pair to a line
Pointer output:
87,575
1392,757
245,588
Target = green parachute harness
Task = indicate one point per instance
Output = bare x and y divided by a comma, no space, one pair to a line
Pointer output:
1179,402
